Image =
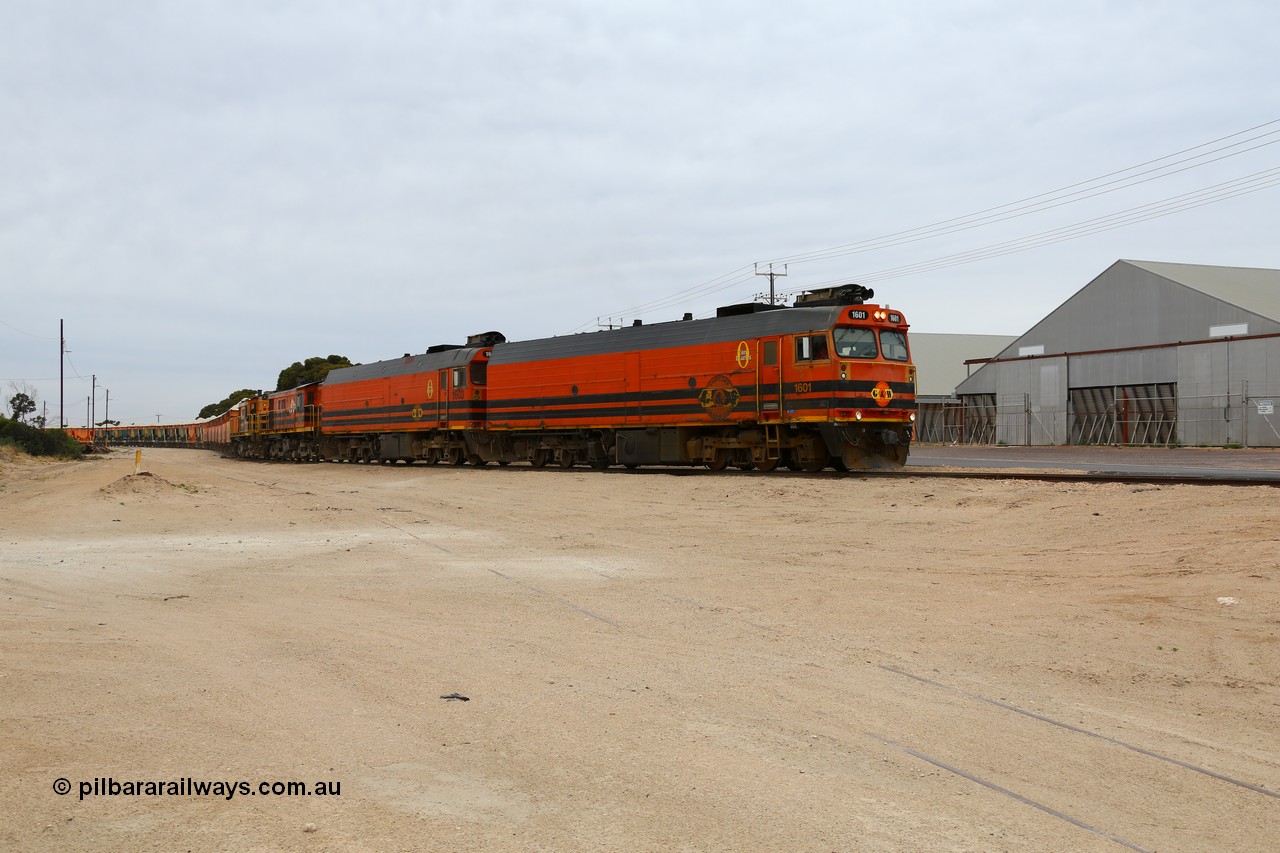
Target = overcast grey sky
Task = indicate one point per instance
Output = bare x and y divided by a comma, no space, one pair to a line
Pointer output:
208,191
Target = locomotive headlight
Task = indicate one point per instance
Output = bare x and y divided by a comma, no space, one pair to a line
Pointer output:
913,417
881,315
857,416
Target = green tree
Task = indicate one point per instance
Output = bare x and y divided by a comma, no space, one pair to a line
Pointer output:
214,409
21,404
299,373
314,369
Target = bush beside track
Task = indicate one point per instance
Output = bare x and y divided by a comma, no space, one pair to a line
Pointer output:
39,442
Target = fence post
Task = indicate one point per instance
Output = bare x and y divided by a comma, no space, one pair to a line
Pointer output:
1244,412
1026,420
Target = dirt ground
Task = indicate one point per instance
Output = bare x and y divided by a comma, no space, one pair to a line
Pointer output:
651,661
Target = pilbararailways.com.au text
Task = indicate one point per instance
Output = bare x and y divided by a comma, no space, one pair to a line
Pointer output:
188,787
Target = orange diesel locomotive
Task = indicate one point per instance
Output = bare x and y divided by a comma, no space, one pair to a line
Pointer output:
827,382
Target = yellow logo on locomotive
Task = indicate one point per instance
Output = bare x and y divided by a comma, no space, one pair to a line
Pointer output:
719,397
882,393
744,354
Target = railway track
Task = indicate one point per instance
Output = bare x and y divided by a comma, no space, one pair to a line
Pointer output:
1243,478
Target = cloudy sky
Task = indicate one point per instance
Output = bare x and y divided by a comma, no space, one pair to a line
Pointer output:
208,191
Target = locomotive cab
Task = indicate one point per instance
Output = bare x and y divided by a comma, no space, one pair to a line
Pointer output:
847,389
873,404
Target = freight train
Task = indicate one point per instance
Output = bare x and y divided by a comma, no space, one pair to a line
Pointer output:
826,382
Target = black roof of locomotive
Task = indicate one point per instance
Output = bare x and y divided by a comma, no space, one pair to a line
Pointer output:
679,333
428,361
675,334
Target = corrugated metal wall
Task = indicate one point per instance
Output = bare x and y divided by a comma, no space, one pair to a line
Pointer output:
1215,394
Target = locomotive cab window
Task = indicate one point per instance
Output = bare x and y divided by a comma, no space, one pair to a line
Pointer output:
811,348
855,342
893,344
459,377
479,370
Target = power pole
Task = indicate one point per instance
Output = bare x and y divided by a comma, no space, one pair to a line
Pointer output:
773,299
94,408
62,357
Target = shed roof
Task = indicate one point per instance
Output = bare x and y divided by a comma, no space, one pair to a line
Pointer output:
1256,290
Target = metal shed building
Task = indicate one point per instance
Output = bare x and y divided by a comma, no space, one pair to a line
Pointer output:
1146,353
940,362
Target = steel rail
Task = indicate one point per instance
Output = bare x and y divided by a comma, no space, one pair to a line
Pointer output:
1245,478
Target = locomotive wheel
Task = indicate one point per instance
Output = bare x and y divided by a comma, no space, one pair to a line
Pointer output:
431,455
767,465
454,456
476,460
540,458
813,466
719,459
566,459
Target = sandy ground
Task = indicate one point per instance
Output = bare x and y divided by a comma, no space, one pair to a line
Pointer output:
653,662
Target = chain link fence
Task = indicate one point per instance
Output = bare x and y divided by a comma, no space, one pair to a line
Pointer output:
1154,415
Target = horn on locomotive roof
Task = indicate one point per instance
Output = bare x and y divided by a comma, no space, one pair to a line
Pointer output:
844,294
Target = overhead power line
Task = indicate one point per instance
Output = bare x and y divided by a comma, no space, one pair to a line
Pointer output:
25,332
715,285
1154,210
1070,194
1206,153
